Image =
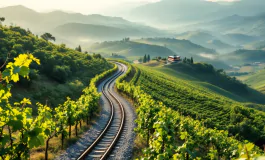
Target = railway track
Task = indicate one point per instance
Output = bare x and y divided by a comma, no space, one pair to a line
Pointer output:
107,139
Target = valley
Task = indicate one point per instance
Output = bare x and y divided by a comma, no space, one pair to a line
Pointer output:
154,79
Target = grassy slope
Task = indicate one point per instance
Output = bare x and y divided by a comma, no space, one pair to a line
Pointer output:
257,80
200,80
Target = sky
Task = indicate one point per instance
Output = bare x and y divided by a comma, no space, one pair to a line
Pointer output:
80,6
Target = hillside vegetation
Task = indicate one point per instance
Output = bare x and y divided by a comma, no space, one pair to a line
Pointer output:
24,135
132,50
63,72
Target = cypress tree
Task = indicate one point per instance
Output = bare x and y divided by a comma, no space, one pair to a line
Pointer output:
191,60
148,58
144,61
78,49
185,60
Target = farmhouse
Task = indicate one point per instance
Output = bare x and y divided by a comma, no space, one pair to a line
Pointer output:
172,59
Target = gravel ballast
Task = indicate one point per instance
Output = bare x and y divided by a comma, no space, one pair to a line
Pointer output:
124,147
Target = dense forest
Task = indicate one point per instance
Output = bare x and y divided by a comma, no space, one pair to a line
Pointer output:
63,72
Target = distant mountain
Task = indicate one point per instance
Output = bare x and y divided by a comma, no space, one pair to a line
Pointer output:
239,39
244,25
255,45
56,20
241,7
204,39
243,56
184,48
168,11
175,11
217,44
195,36
98,32
130,50
17,14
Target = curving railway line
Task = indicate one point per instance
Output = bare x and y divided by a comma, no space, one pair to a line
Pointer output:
110,134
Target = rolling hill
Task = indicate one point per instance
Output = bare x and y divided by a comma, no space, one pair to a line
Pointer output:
129,49
206,76
240,39
237,29
243,56
178,46
255,45
205,39
98,32
74,24
184,48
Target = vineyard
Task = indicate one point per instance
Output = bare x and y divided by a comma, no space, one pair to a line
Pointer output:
178,120
20,131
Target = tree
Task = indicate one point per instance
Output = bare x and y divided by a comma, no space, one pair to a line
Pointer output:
188,60
185,60
191,60
126,39
145,59
79,49
140,60
47,37
2,19
148,58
